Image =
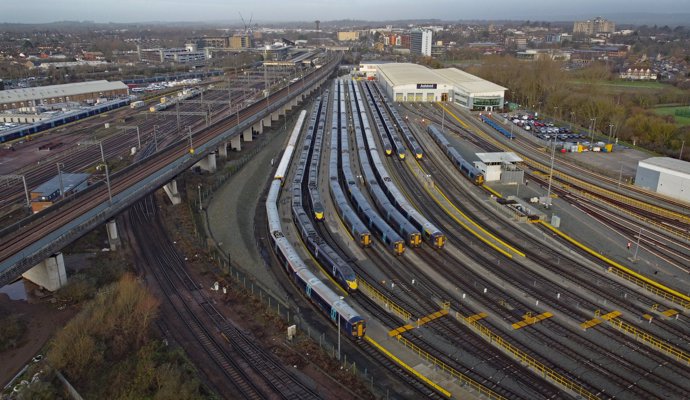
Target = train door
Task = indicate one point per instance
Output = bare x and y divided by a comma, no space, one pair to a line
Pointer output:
444,97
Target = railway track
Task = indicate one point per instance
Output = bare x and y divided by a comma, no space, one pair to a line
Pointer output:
485,261
97,194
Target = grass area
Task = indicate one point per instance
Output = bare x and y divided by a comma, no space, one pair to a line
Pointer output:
681,121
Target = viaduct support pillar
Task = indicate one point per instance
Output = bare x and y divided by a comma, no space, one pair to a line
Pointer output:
258,128
207,163
171,190
223,150
236,143
267,122
247,135
113,238
49,274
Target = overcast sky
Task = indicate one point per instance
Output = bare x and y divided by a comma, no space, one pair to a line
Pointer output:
28,11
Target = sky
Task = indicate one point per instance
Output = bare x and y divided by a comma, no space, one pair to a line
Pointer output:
37,11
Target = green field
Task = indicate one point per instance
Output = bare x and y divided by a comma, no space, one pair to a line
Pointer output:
682,121
619,86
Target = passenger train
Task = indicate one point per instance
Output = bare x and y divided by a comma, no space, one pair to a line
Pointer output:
62,119
392,133
329,259
388,211
412,143
330,303
466,168
355,226
430,232
378,226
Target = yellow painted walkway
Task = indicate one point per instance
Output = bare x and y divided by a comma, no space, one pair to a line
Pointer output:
420,322
530,320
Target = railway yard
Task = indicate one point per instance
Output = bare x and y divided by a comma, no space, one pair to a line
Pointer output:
373,229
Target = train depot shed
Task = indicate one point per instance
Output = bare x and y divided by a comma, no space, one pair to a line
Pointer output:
48,192
406,82
71,92
500,166
665,175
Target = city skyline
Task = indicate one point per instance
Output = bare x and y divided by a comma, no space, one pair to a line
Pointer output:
128,11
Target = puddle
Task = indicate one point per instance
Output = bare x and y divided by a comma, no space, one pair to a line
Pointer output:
15,291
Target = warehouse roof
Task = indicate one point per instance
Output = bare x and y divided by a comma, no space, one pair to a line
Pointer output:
468,82
499,157
69,89
407,73
672,164
69,182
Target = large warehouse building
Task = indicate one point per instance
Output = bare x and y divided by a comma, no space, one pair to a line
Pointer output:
405,82
666,176
77,92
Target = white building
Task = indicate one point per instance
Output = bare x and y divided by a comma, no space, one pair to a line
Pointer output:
405,82
665,175
420,42
500,166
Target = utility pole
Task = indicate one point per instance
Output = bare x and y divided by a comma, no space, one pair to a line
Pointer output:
62,186
610,132
637,247
107,173
680,155
191,144
553,156
155,137
26,188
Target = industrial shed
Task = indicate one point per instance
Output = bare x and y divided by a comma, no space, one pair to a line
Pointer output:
78,92
405,82
666,176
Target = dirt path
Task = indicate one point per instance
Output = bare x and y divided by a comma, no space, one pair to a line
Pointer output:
43,320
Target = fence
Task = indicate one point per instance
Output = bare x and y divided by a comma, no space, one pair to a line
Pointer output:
273,303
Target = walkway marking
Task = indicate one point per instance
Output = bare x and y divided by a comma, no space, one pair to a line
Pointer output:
670,312
624,272
476,317
400,330
611,315
588,324
530,320
420,322
490,190
648,317
407,367
496,340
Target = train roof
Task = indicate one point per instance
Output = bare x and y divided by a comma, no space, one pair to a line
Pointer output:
69,89
499,157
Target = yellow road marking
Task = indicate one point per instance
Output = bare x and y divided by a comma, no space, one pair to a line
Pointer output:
617,265
407,367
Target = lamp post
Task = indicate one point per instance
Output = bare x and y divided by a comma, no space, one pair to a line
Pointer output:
610,132
572,116
62,186
637,247
201,207
680,155
26,188
107,173
553,156
155,137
